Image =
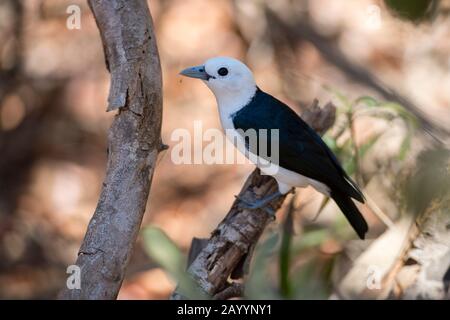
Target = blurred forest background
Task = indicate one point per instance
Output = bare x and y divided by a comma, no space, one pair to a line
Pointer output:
53,125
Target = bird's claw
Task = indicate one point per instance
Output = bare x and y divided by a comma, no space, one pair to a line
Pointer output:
258,204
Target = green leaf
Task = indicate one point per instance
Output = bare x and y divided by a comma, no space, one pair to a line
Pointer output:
362,150
285,256
260,282
344,100
341,97
404,147
429,181
346,157
411,10
376,113
403,113
164,252
330,142
311,239
350,167
312,278
346,150
368,101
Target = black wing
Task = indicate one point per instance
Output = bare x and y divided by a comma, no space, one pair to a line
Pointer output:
301,148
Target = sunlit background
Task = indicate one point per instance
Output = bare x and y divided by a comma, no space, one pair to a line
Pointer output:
355,53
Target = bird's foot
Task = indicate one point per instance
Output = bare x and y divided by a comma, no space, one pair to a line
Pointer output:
244,204
260,203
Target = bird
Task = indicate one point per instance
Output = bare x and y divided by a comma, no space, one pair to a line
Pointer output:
303,157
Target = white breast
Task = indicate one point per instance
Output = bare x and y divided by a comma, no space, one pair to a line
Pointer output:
286,179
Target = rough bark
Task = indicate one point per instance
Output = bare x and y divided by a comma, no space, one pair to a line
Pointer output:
134,141
231,243
424,271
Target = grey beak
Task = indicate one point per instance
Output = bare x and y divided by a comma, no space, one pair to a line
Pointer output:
197,72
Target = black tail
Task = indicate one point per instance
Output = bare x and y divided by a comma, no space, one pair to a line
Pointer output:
351,212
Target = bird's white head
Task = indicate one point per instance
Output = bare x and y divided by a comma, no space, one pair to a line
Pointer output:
229,79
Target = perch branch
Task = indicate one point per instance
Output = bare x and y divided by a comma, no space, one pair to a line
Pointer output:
231,243
134,141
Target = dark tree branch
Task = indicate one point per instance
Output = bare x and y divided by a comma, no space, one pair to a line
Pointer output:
134,142
232,241
234,290
301,29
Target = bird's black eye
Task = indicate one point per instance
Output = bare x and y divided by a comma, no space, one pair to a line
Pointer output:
222,71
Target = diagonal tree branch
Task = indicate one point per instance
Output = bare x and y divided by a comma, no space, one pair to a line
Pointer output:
295,30
232,242
134,142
